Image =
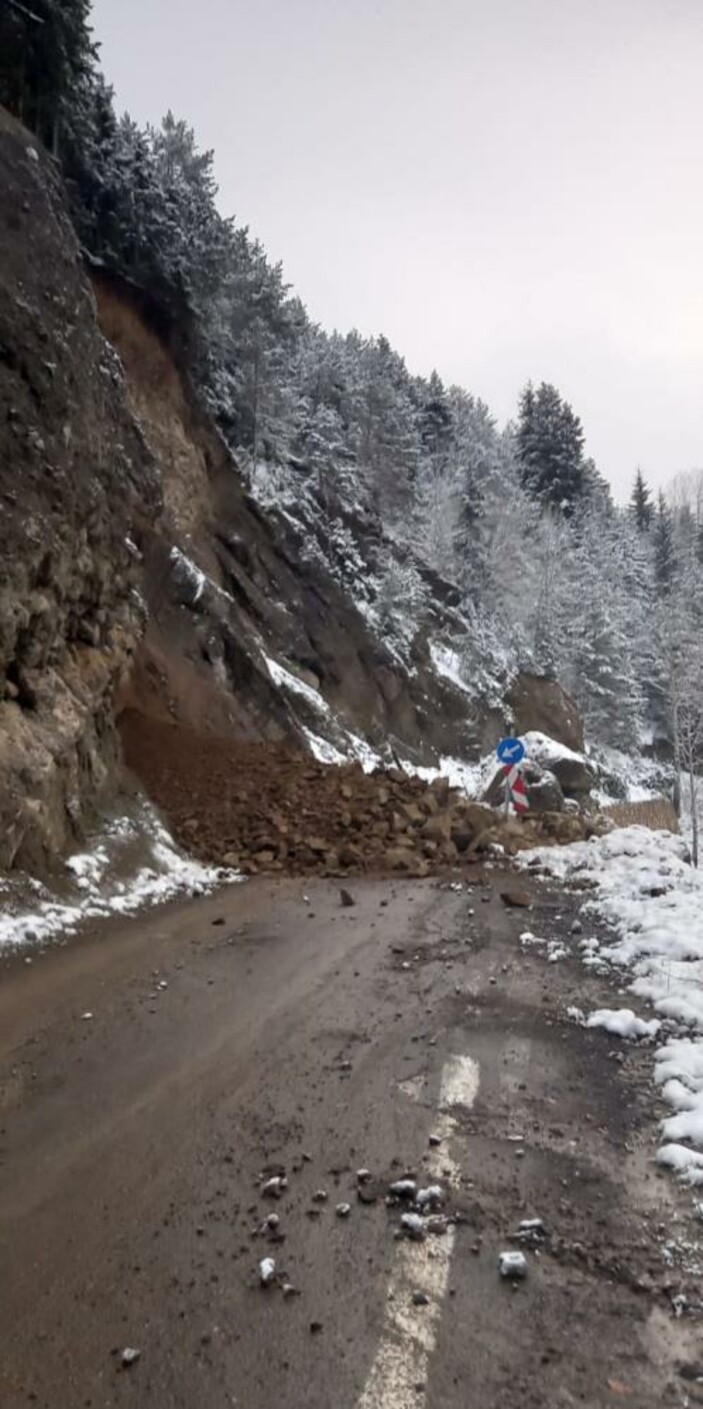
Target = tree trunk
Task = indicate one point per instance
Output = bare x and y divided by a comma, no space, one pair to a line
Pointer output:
676,740
694,815
676,793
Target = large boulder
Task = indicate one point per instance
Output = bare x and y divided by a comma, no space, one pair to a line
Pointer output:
552,773
544,792
494,794
470,820
574,772
544,706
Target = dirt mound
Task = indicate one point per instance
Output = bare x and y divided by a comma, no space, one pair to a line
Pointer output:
266,807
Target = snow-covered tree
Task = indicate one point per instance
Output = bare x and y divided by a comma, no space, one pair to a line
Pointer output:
396,481
547,622
550,448
401,599
688,707
641,506
47,55
664,547
601,670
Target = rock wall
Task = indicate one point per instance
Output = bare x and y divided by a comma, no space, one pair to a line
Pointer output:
72,467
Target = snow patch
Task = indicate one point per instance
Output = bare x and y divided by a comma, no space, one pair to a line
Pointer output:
472,779
190,571
622,1022
323,750
447,663
133,863
679,1071
628,777
646,889
687,1164
543,750
285,679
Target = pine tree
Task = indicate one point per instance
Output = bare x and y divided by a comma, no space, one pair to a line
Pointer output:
436,426
604,679
46,56
607,626
550,449
387,442
641,506
664,549
547,617
596,490
477,460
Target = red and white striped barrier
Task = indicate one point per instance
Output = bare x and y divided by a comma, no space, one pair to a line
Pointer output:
515,784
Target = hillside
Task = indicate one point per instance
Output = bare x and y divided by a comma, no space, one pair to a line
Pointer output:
139,574
250,526
351,1053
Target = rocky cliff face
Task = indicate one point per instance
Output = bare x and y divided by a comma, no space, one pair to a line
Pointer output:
138,575
73,466
240,632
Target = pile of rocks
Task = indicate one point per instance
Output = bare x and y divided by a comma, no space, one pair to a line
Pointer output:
266,808
380,821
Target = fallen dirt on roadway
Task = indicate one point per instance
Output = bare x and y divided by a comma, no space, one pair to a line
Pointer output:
267,808
270,1030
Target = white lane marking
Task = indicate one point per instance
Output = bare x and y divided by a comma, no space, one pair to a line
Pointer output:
459,1085
409,1332
398,1375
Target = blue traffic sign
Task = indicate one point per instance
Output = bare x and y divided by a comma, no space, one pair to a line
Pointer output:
510,751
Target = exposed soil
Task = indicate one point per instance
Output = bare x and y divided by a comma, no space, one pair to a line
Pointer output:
298,1036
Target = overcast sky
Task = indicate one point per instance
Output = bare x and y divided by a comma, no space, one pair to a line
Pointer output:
509,189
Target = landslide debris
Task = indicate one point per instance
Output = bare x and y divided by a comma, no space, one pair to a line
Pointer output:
266,807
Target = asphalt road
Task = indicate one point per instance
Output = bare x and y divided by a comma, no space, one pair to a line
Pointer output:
269,1031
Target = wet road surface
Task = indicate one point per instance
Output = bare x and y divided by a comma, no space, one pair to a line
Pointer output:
270,1031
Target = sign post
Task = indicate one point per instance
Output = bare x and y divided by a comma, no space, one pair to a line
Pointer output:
510,753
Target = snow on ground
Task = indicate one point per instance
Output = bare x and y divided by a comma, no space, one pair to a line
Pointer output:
652,898
323,750
553,949
288,681
364,754
447,663
622,1022
628,777
470,778
132,864
355,750
189,571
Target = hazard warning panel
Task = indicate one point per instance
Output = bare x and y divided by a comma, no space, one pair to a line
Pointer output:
515,787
